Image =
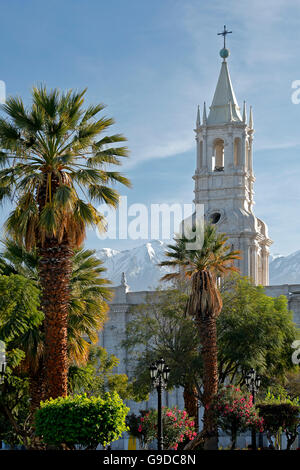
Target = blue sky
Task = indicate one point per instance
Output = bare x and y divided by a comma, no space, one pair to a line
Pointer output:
152,63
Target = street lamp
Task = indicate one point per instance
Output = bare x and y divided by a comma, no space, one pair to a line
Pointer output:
253,382
2,361
159,373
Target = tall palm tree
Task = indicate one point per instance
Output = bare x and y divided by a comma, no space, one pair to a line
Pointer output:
87,310
203,267
55,156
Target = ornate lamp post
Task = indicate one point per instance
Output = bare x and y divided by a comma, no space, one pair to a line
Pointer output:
253,381
159,373
2,361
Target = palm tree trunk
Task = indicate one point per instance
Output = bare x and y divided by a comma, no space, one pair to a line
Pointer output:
205,304
208,336
191,401
36,389
55,267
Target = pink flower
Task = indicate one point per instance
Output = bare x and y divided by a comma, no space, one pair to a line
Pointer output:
140,428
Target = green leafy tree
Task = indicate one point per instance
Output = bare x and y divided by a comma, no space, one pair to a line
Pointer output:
159,328
87,310
203,266
98,376
67,421
260,338
54,157
19,317
254,330
23,385
280,414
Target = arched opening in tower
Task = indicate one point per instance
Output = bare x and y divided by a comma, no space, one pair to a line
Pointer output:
218,155
237,151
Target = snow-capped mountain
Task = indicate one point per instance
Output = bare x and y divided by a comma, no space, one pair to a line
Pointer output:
140,266
285,269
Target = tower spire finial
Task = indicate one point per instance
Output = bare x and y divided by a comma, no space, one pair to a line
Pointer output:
244,113
123,280
224,34
204,119
198,121
251,118
224,53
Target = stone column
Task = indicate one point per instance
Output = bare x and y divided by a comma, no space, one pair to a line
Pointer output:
228,151
265,265
204,151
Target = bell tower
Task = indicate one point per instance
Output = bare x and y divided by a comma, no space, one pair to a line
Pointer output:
224,175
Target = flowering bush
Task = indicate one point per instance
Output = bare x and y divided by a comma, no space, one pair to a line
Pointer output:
177,427
235,412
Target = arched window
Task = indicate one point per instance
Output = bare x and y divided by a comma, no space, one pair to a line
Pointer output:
219,154
237,151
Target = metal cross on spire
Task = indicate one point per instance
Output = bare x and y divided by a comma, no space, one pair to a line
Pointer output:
224,33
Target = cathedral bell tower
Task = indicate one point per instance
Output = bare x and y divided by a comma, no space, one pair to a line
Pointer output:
224,176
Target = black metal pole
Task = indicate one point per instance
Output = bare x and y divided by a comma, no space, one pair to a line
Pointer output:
160,439
253,433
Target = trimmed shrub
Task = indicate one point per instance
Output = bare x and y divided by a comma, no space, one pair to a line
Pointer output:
81,420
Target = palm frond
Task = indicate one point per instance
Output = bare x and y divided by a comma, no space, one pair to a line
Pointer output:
50,153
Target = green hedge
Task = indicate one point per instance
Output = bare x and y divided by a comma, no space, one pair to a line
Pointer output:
81,420
278,415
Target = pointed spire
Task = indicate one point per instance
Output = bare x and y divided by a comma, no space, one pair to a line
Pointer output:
244,113
198,121
251,118
123,280
219,110
204,114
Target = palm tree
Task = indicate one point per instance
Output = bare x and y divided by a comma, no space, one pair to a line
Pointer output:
55,158
203,267
87,311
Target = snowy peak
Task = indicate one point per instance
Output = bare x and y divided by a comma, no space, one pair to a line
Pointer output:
140,265
109,252
285,269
